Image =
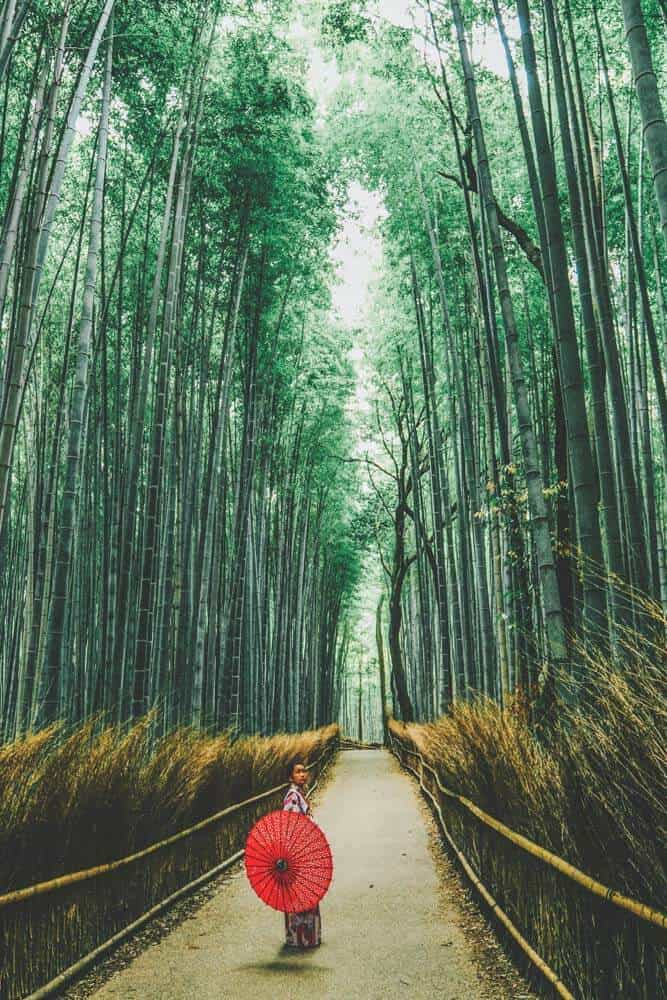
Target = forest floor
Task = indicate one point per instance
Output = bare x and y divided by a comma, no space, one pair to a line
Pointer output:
396,922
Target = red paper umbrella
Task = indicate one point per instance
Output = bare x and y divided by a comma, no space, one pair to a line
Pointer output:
288,861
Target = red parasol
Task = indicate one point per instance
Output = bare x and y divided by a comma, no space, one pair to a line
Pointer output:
288,861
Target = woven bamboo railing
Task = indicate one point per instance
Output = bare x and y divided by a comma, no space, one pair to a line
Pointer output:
607,955
52,931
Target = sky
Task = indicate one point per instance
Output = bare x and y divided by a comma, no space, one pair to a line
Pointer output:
357,253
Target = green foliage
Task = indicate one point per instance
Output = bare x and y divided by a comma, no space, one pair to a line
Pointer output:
344,22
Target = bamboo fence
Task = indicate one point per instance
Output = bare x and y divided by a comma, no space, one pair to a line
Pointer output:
52,931
601,943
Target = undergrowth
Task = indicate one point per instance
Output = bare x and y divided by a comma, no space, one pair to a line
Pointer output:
592,790
70,800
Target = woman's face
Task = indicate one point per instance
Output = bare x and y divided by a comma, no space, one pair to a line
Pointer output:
299,775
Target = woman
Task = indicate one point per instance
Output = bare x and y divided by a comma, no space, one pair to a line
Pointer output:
302,930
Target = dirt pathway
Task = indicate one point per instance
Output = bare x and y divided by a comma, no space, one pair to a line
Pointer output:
395,922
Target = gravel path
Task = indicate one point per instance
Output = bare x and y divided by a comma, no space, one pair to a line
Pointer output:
396,922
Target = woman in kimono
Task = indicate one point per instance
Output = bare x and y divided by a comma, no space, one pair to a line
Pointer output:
302,930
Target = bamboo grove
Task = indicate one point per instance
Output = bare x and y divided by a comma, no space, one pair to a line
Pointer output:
172,530
181,518
518,478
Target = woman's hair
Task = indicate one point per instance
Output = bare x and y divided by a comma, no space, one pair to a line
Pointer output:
294,762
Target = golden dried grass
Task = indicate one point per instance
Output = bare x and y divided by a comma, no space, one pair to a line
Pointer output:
592,790
70,800
74,799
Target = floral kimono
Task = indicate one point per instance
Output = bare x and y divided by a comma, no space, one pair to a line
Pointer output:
302,930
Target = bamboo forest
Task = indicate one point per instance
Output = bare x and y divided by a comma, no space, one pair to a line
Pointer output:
333,435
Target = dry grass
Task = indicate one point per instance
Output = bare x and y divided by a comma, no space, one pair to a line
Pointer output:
71,801
593,791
